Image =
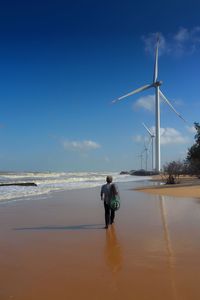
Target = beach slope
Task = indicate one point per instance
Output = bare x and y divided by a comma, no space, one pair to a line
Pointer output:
56,248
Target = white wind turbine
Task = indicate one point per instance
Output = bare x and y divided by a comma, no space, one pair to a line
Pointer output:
152,136
141,159
146,154
155,84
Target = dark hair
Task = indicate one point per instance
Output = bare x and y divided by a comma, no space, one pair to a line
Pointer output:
109,179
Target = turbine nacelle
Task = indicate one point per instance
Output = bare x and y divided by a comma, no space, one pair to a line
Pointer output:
157,83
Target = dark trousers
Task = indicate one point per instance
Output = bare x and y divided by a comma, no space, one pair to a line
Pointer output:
109,214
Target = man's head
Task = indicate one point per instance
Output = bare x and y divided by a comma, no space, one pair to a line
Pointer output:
109,179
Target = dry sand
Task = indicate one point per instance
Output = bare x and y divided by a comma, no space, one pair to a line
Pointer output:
56,248
188,187
175,191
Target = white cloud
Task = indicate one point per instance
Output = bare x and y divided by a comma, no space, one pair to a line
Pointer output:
191,129
150,41
146,102
141,138
138,138
153,130
182,35
172,136
81,145
167,136
182,42
188,39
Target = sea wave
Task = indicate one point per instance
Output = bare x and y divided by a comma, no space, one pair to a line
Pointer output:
48,182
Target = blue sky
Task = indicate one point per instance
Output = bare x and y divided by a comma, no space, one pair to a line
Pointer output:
63,62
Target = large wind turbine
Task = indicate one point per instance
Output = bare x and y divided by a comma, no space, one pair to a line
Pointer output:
156,85
152,136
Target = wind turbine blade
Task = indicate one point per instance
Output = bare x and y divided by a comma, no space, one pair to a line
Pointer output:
150,133
171,106
143,88
155,75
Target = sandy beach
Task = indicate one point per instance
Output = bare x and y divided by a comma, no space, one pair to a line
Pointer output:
187,187
56,247
175,191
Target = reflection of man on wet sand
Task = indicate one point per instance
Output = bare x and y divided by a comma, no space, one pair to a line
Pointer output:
113,252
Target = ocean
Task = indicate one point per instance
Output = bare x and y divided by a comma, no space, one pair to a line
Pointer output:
48,182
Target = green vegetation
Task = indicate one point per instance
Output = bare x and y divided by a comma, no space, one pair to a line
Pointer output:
190,166
193,156
172,171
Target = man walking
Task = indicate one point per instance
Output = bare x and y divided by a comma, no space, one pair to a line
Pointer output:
106,195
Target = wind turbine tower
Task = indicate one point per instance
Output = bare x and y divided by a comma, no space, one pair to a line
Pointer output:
146,155
156,85
152,136
141,159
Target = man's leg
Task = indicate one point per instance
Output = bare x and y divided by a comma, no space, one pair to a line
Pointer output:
112,217
107,214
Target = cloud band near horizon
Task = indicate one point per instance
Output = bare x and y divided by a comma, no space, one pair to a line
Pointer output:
85,145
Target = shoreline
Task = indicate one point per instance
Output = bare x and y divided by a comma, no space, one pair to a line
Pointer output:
188,187
49,193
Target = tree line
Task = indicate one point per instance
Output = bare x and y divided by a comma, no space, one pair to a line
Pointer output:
189,166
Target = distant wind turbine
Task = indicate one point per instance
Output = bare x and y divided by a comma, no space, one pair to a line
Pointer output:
146,155
155,84
141,159
152,136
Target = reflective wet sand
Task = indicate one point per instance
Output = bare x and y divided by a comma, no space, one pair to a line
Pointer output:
56,248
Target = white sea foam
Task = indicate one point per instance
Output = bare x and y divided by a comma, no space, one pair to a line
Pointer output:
48,182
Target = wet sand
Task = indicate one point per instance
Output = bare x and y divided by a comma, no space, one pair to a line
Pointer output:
55,248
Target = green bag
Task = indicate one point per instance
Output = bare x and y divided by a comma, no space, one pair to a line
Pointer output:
115,202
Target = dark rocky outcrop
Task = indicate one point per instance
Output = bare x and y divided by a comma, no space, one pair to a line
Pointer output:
19,184
124,173
139,173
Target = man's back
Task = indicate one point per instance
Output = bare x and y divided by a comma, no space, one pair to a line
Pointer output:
105,192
